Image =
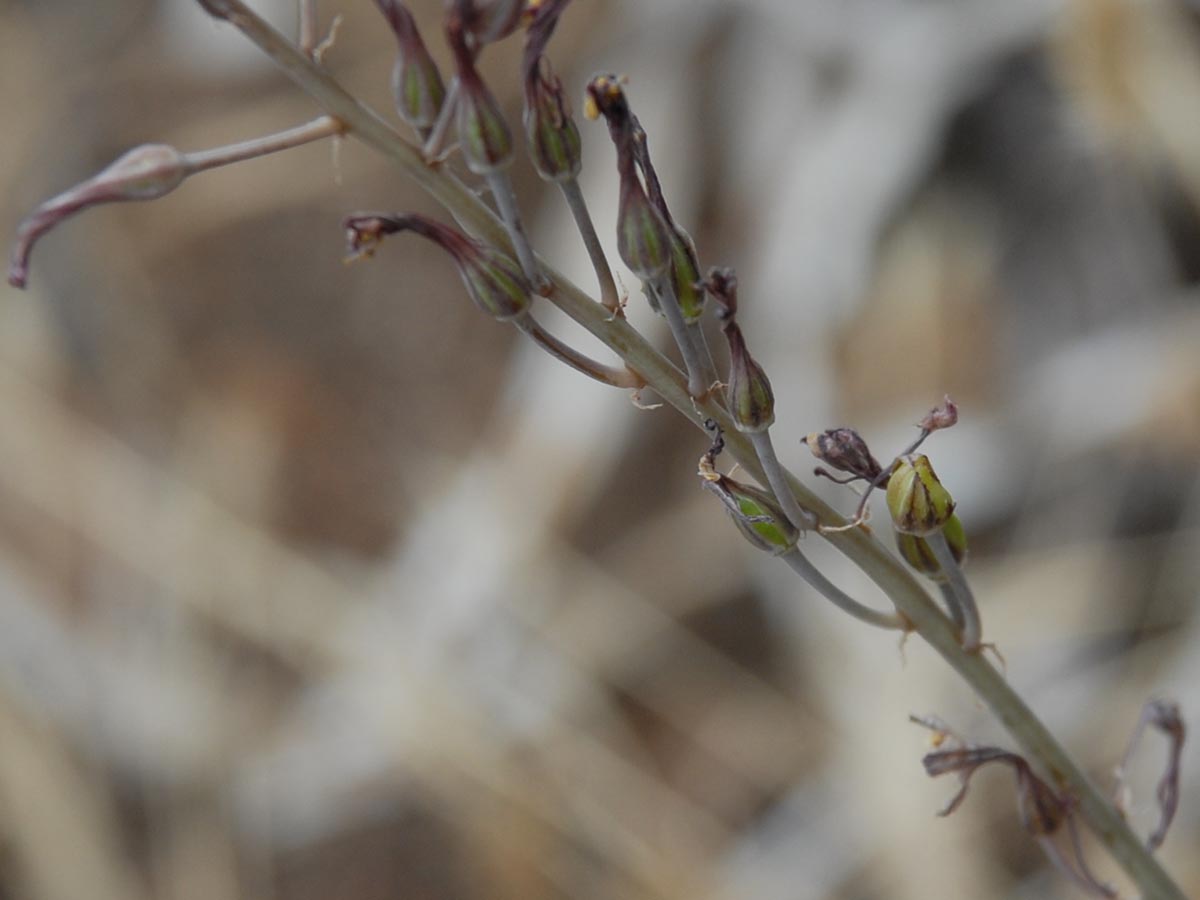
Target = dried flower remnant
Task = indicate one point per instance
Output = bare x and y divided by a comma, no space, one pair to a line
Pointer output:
944,415
845,450
1163,716
1043,812
493,281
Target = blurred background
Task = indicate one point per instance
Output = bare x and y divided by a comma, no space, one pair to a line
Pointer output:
317,583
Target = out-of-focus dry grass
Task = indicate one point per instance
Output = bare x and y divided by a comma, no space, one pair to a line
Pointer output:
314,583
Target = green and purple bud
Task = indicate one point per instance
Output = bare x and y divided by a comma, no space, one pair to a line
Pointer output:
144,173
642,233
918,503
416,82
550,131
493,281
483,135
917,553
754,511
751,400
488,21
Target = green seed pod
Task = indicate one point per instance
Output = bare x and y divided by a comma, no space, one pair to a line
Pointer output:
416,82
751,400
754,512
550,131
916,499
916,551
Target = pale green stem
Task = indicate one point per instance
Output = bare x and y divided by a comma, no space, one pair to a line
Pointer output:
616,377
958,592
306,12
506,201
435,139
800,564
700,379
952,604
323,127
591,242
764,447
862,548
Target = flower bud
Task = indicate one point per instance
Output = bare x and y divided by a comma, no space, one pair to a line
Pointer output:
916,499
845,450
641,232
483,135
754,511
917,553
144,173
553,138
416,82
493,280
751,401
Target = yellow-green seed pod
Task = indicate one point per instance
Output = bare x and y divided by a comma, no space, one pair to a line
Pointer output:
916,499
758,517
917,553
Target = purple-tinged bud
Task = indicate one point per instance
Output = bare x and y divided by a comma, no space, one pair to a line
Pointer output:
721,284
493,280
553,138
754,511
641,233
917,553
943,416
483,135
916,499
144,173
416,82
845,450
751,401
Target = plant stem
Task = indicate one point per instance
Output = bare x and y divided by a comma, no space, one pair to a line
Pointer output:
319,128
616,377
863,549
587,230
306,12
764,447
436,138
506,201
957,592
800,564
700,379
952,604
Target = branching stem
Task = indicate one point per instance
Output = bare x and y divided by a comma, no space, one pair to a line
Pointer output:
764,447
506,201
957,593
615,377
863,549
800,564
591,241
323,127
701,375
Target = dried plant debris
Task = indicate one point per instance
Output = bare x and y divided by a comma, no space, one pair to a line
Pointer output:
1043,811
1164,716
